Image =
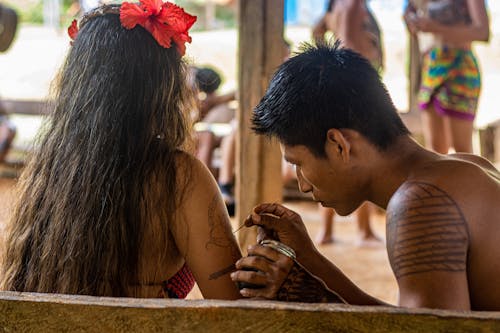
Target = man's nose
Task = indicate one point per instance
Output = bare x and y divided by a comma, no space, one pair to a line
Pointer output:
304,186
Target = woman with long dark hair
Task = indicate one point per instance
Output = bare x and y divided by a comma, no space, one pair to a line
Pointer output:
111,204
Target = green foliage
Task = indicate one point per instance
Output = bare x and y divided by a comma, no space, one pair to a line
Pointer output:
31,11
224,15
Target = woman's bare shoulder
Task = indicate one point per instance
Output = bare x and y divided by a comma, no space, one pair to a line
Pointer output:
195,179
189,167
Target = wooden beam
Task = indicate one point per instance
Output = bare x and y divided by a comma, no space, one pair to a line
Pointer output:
258,162
28,107
29,312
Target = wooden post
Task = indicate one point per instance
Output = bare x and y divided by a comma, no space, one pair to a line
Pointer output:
210,14
258,160
414,73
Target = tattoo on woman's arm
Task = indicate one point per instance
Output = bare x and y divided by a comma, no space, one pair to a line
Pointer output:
429,232
217,224
221,236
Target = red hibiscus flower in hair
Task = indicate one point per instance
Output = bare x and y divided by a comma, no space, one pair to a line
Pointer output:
73,30
166,22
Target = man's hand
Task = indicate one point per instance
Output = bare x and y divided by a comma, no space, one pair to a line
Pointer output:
263,267
282,224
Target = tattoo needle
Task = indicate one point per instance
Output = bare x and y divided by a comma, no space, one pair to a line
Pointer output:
239,228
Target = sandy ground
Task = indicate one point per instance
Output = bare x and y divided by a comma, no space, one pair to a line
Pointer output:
367,267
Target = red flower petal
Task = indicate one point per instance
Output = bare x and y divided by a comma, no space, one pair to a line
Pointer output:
152,6
176,17
180,43
73,30
131,15
165,21
160,32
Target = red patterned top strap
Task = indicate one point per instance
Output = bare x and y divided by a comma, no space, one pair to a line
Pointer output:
179,285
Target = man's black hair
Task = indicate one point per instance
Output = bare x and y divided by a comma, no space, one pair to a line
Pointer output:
207,79
326,87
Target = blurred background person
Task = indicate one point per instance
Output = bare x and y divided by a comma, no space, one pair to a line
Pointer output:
450,79
353,23
213,108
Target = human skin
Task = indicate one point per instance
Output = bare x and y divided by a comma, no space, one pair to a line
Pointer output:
460,35
442,220
346,20
443,132
201,236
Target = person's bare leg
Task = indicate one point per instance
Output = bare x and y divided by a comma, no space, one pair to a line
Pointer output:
461,134
366,236
7,135
228,151
325,235
226,171
435,132
205,147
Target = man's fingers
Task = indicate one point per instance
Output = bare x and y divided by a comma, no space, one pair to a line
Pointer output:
265,293
267,221
271,208
266,252
252,277
254,262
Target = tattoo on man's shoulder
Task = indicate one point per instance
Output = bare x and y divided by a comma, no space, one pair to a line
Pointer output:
429,234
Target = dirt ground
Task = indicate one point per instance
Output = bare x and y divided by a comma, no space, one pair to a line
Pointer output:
367,267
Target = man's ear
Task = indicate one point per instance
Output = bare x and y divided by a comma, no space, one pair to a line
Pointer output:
337,144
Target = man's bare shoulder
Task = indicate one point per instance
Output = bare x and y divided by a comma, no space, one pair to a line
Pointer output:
458,173
426,230
479,161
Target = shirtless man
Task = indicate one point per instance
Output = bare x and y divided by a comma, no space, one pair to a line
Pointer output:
349,145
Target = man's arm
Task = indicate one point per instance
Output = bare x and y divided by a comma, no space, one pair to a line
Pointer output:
427,244
287,227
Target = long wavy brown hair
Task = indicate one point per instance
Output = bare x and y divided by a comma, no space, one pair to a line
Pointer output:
104,165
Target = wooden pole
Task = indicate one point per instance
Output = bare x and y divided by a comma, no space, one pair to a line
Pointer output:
209,14
258,160
414,72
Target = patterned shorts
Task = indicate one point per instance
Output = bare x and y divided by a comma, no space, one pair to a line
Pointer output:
451,82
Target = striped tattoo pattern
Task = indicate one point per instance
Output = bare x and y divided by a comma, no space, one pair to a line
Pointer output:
428,234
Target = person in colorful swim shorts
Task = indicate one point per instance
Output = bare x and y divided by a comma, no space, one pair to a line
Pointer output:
112,203
450,79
